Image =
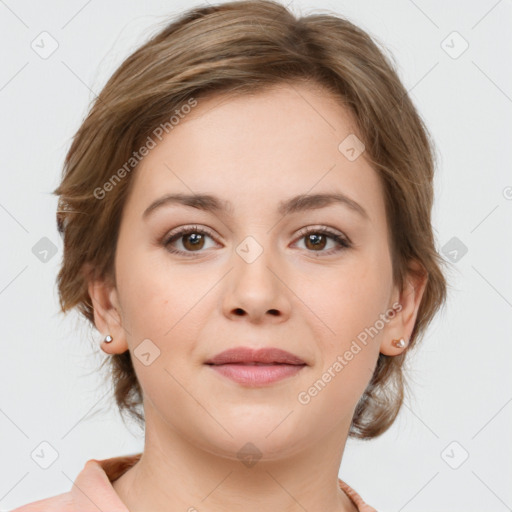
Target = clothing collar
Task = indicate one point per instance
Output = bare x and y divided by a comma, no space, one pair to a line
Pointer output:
93,490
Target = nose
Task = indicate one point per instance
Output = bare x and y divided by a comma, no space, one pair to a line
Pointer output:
256,291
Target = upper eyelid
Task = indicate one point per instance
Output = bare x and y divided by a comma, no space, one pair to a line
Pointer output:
182,230
321,227
188,229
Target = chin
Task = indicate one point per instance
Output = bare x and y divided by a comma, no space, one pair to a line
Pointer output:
267,439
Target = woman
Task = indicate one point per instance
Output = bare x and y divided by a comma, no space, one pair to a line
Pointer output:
246,220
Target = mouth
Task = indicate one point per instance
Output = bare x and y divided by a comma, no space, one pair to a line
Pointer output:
254,368
247,355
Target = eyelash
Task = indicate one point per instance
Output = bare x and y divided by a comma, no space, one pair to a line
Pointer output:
343,243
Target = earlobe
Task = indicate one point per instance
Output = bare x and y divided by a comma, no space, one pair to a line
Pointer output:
400,328
394,346
401,343
107,315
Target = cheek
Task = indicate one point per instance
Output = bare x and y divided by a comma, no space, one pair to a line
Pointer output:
155,294
161,304
348,299
347,354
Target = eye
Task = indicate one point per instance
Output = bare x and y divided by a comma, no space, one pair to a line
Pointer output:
192,239
316,239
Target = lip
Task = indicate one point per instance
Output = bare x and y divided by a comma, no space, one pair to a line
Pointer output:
256,367
249,355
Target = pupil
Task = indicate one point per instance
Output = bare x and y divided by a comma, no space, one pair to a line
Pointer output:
194,239
316,240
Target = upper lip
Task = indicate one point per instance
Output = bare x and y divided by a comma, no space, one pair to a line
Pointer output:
250,355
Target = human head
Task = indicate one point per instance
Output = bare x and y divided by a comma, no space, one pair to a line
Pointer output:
237,49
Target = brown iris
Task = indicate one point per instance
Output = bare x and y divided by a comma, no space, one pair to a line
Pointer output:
196,241
315,237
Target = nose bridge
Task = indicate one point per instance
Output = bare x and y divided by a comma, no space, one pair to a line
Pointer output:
253,288
252,275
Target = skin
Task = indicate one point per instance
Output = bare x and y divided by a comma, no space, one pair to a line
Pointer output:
254,150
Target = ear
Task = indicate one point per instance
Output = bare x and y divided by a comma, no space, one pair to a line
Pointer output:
107,314
405,305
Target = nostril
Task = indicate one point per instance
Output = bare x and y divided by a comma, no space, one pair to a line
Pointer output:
239,311
273,312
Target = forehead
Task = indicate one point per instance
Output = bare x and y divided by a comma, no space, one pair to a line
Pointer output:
268,145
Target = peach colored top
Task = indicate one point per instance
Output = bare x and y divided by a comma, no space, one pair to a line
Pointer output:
93,490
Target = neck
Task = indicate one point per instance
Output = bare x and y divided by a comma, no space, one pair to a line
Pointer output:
174,474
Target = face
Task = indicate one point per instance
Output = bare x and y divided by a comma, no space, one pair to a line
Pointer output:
251,266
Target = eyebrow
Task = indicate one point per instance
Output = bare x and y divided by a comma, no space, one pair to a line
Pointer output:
303,202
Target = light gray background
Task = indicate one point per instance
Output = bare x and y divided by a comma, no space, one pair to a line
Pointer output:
461,375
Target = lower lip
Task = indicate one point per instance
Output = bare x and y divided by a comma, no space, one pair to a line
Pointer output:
257,375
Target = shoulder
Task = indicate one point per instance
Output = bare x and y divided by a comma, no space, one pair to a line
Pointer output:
92,488
59,503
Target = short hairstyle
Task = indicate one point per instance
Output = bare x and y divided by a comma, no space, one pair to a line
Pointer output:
241,47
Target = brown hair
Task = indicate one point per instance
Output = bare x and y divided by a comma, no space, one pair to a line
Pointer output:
236,48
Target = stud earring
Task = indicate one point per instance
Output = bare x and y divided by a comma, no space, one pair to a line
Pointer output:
108,338
398,343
